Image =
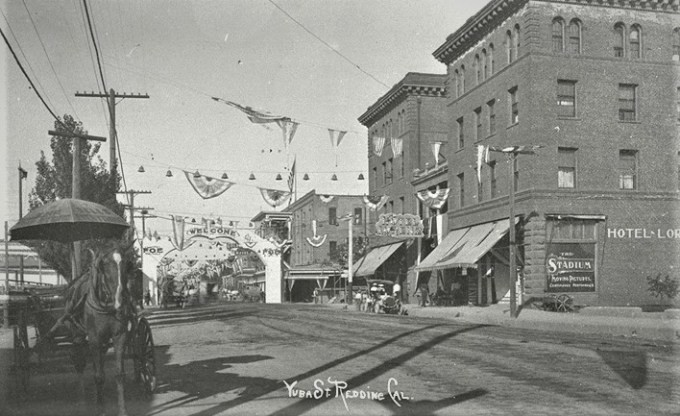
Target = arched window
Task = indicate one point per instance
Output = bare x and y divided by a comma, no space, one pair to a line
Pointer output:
485,65
558,34
508,47
635,37
492,63
456,80
676,44
574,45
462,79
478,69
619,36
517,42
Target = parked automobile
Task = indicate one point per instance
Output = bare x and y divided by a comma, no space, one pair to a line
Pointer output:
381,298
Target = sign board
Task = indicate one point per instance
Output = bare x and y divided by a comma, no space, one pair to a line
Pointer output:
399,225
570,267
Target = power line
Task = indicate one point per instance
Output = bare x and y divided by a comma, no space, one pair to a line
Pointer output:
48,59
94,42
29,79
328,45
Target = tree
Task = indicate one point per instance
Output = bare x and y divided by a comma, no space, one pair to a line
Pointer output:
97,184
359,248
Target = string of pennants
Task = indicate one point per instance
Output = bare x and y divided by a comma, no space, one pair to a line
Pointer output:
208,187
397,144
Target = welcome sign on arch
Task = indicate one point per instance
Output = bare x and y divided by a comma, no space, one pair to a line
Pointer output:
213,241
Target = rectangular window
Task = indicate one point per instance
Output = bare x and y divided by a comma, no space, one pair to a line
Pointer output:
515,175
480,191
358,216
627,102
677,105
375,176
492,179
514,106
628,167
478,122
566,98
566,167
333,250
402,206
491,107
390,170
332,216
384,173
461,190
461,133
391,207
401,163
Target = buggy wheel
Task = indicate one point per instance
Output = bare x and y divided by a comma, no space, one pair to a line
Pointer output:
21,351
564,303
145,360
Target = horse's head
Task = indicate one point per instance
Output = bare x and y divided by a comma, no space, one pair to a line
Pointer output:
108,278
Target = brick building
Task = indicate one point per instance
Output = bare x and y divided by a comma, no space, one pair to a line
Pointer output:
407,134
317,232
596,84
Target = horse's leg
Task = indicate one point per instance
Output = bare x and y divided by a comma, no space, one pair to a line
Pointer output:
119,345
98,364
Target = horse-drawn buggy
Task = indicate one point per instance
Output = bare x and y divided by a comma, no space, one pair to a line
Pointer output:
91,314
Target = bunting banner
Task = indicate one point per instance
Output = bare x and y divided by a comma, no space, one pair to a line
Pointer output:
207,187
178,232
326,198
257,117
434,199
397,146
374,203
291,176
378,145
335,141
436,146
274,197
316,240
482,157
288,128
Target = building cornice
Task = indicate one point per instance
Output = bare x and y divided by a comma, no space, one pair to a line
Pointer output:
497,11
413,84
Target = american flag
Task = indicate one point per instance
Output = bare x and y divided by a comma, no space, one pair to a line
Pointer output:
291,177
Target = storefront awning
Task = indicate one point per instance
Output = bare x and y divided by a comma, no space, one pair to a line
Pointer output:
464,247
368,264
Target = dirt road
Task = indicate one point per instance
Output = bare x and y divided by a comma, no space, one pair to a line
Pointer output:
303,359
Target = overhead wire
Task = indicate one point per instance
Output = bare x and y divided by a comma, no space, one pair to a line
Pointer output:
328,45
94,42
49,60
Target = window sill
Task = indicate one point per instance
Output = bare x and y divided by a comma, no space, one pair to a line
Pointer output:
629,121
513,125
569,118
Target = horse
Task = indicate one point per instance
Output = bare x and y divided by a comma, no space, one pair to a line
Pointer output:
107,314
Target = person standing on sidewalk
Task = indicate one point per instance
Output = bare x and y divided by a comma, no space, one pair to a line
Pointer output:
423,294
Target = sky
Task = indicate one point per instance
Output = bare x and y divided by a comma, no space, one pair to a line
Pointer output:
323,73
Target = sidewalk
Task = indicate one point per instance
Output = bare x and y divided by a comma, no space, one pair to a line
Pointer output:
614,321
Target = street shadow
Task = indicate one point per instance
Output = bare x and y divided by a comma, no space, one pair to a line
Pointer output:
302,406
206,378
631,366
191,318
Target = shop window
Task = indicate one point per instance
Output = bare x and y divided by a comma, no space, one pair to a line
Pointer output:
574,45
627,102
628,168
332,216
566,168
566,98
619,40
491,110
558,34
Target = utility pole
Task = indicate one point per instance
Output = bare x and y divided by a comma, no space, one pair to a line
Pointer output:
111,102
350,256
132,194
511,152
22,175
75,183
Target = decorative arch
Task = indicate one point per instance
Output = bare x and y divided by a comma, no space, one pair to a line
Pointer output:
619,40
558,34
492,62
635,41
574,33
508,47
